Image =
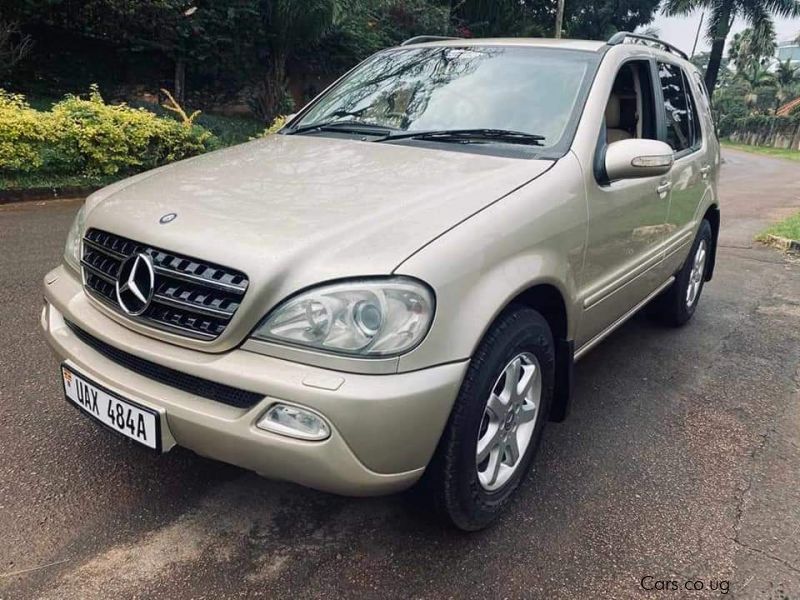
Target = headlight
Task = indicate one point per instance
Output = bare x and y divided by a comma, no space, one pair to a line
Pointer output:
72,251
368,317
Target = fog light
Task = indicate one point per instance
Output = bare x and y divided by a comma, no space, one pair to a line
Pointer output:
294,422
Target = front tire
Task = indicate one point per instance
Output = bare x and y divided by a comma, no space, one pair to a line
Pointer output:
494,429
677,304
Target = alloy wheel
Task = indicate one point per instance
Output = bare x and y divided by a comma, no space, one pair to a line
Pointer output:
696,274
509,420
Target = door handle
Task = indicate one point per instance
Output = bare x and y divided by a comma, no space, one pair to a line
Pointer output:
705,171
664,187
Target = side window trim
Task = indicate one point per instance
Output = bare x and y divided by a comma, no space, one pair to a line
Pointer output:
658,98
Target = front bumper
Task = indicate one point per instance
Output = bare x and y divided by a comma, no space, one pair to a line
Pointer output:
384,428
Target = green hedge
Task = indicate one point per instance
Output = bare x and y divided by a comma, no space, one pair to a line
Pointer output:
87,137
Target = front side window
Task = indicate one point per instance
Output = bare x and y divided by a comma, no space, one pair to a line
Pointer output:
535,91
681,117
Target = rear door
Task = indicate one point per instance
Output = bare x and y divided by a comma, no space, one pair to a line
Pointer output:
684,130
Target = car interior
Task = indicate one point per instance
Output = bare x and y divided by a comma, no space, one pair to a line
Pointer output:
629,112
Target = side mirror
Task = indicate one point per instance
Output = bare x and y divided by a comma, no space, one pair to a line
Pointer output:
631,159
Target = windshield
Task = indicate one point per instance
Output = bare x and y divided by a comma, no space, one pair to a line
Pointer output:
440,88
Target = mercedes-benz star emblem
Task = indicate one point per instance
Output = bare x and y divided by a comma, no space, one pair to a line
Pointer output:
136,283
168,218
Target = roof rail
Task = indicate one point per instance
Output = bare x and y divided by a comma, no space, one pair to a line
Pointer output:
418,39
621,36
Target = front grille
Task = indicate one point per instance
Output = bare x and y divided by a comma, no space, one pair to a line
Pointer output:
192,297
182,381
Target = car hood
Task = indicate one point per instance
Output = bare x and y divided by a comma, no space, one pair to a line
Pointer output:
292,211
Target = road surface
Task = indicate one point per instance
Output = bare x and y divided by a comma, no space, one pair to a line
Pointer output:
680,462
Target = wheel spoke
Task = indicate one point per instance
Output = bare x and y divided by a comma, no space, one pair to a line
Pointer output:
527,412
488,442
497,406
512,378
493,468
699,257
512,448
529,375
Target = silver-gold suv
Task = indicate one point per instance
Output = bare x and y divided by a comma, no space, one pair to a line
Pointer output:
393,289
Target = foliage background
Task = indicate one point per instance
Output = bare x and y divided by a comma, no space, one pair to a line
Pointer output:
258,56
245,62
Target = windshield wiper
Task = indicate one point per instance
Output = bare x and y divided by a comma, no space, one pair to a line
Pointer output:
468,136
344,126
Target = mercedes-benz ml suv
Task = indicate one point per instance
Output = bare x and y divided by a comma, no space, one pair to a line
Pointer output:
393,289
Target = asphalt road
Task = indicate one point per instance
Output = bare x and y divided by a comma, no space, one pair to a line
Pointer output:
681,461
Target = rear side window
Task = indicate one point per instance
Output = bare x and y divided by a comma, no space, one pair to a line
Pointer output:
683,128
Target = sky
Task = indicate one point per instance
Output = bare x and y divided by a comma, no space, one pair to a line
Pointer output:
681,31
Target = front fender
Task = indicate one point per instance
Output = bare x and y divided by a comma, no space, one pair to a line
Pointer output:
536,235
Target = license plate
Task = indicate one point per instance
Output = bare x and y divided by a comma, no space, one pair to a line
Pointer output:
123,416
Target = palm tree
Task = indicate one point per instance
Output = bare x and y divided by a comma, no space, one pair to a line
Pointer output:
756,13
757,77
787,76
287,25
748,47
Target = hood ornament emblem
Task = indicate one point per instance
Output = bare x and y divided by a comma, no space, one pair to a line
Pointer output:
168,218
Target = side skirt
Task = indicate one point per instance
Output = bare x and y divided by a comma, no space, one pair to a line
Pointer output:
603,334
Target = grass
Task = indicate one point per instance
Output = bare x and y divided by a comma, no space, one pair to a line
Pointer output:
788,228
765,150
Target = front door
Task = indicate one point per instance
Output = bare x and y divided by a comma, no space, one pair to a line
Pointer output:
627,219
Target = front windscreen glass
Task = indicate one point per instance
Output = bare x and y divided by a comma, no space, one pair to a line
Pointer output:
528,90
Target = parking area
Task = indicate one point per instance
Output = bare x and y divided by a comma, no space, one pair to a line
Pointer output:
680,463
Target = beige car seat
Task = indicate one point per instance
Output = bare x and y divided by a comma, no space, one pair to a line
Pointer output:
614,132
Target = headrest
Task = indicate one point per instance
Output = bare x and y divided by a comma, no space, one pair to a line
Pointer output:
613,112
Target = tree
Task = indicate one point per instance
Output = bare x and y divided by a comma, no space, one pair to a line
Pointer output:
787,74
491,18
600,19
208,32
757,13
286,25
750,47
787,77
758,78
589,19
14,45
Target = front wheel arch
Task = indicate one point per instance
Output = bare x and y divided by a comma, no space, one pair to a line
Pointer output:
548,301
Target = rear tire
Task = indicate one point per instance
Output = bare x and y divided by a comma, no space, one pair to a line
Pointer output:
677,304
503,404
